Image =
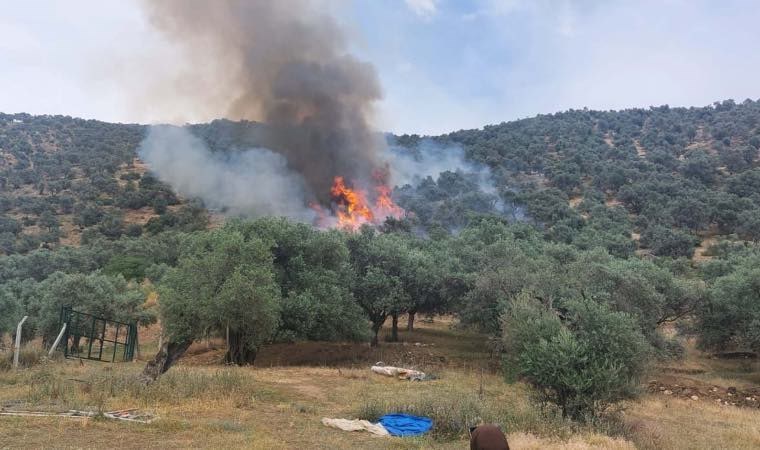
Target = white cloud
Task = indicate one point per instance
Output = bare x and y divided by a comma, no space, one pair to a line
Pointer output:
423,8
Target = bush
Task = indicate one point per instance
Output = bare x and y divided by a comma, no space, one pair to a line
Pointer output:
582,364
730,319
131,267
668,242
133,230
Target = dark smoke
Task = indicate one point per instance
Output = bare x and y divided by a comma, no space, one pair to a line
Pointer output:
285,63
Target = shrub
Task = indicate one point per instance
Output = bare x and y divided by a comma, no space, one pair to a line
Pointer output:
730,319
668,242
131,267
582,364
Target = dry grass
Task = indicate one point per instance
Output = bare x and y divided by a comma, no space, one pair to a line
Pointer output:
204,407
212,406
681,424
640,150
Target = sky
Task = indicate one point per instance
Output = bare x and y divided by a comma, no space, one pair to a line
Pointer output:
444,64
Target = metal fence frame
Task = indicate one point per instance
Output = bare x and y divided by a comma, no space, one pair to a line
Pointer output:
98,331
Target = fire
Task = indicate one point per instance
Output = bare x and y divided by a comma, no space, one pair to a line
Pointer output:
352,209
384,204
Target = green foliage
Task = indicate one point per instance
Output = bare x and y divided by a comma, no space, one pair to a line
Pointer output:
668,242
221,280
378,261
730,319
313,272
95,293
11,310
130,267
749,225
582,364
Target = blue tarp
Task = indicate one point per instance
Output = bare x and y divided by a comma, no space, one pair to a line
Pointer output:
405,424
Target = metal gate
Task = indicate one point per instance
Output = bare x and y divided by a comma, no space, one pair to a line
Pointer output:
97,338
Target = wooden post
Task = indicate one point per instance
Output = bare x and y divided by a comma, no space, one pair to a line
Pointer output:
57,341
18,342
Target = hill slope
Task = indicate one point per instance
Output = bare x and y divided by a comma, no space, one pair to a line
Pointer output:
655,180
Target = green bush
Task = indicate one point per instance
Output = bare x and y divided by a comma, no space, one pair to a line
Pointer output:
730,319
582,364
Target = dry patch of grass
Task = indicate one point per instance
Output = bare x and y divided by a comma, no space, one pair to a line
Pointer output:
640,150
657,422
139,216
205,407
213,406
702,252
527,441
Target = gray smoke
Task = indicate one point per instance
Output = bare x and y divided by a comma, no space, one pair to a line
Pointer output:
285,63
429,159
252,182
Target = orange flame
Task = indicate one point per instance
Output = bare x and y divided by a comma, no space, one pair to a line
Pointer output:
353,210
384,204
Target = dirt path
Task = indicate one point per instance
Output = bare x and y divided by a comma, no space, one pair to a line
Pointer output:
690,389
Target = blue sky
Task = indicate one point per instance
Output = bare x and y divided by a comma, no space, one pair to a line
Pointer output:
444,64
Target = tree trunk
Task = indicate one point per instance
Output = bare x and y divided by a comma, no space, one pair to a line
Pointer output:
410,322
394,328
237,352
376,325
167,355
375,330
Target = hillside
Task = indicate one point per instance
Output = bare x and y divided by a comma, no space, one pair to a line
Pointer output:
656,180
67,181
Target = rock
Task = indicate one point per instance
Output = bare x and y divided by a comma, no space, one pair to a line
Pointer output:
694,397
667,392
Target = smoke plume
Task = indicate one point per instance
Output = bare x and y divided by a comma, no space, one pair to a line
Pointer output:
285,63
252,182
430,159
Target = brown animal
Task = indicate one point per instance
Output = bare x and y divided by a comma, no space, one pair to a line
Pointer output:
488,437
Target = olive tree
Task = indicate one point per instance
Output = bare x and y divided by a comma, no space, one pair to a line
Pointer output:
379,261
223,282
582,363
731,316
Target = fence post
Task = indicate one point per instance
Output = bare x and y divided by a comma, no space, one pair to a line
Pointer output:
57,340
18,342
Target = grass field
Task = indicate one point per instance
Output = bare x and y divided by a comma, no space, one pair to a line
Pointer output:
279,403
